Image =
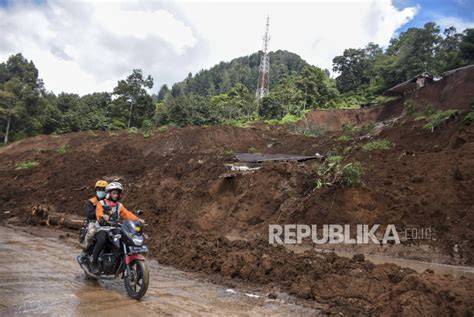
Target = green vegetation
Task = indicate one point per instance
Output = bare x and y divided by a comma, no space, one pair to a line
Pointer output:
409,107
61,150
353,129
243,70
253,149
469,118
332,172
26,165
147,128
371,70
435,119
225,94
344,138
132,130
377,145
306,129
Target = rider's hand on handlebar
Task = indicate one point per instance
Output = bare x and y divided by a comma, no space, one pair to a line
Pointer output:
142,221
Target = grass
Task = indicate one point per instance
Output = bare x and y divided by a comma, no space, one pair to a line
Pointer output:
332,172
163,128
352,129
377,145
253,150
132,130
344,138
147,133
24,165
309,130
61,150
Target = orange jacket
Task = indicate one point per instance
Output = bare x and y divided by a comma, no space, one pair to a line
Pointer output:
124,213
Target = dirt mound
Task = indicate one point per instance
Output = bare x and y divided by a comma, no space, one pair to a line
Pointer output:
175,176
351,286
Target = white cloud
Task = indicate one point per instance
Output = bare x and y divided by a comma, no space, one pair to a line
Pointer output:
459,24
86,47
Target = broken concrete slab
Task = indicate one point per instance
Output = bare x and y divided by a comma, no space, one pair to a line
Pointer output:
260,158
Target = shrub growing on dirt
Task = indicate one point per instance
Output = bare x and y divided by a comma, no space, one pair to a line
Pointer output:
469,118
252,149
377,145
61,150
332,172
310,130
132,130
344,138
409,107
147,127
439,118
26,165
352,129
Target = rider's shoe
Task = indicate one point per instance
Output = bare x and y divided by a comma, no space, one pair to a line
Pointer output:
94,269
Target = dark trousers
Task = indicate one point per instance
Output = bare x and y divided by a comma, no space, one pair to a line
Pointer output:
101,239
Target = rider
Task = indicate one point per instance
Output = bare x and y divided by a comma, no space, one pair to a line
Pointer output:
92,203
88,231
107,209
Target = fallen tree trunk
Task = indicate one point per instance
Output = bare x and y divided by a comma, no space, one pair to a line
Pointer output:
55,219
72,223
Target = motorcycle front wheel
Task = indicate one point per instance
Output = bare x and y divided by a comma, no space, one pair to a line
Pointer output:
136,283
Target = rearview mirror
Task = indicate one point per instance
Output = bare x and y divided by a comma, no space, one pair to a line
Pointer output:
139,212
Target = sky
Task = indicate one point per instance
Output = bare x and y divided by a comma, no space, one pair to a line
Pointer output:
84,47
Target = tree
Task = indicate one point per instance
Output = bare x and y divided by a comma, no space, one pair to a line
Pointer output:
415,50
238,103
132,92
316,87
8,101
356,67
164,93
188,110
243,70
467,46
20,97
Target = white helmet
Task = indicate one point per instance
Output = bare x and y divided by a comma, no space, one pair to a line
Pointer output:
114,185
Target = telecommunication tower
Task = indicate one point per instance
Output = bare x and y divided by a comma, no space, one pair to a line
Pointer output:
263,74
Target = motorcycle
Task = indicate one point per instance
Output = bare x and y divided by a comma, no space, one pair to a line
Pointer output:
122,255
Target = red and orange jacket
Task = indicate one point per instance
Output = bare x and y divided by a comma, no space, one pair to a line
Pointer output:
123,212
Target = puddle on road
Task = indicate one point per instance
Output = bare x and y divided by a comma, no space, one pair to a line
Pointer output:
41,277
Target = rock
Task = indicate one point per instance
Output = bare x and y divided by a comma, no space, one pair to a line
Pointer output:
359,257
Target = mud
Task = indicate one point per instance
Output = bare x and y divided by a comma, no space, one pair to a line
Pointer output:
39,276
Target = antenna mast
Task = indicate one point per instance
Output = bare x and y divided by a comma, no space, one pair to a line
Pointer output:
263,74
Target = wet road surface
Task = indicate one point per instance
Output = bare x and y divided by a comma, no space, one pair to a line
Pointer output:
40,276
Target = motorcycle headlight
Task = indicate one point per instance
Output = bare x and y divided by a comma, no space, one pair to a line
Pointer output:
137,240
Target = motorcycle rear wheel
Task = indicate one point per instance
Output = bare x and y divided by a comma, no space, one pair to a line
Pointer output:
136,284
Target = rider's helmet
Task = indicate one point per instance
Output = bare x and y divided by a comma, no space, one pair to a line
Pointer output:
101,184
114,186
100,188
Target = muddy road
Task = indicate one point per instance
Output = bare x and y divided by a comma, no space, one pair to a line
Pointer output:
40,276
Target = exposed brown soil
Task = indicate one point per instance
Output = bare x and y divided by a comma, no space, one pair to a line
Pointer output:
426,180
452,92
